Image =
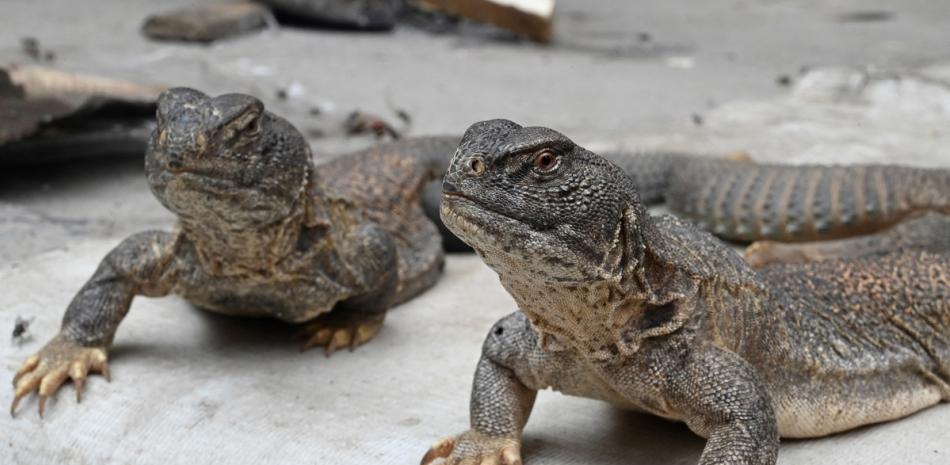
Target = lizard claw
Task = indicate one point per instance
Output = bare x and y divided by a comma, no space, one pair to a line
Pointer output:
338,332
473,448
441,449
58,361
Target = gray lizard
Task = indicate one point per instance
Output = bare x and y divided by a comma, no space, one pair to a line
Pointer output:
742,200
650,314
261,232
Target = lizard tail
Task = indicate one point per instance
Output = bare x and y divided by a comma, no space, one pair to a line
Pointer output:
746,201
650,171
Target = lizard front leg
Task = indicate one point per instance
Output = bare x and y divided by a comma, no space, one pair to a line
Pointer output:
723,400
500,403
500,407
137,266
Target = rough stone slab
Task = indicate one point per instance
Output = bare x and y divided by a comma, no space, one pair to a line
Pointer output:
533,19
191,387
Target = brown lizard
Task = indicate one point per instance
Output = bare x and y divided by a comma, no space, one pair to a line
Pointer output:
261,232
651,314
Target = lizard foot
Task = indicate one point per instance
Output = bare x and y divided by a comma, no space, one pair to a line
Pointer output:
338,331
52,365
472,448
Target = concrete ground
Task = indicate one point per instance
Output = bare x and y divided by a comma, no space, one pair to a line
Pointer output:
192,387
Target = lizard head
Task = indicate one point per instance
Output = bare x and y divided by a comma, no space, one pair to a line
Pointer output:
225,156
529,197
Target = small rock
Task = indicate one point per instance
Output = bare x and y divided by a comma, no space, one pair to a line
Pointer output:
208,23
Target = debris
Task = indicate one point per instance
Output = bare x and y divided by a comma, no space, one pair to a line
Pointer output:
31,47
404,116
530,18
47,114
370,15
362,123
208,23
40,82
21,330
427,19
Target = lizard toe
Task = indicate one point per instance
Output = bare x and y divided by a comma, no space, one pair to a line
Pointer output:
45,372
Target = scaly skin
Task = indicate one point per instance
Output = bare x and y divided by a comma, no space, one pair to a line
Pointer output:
930,231
745,201
651,314
261,233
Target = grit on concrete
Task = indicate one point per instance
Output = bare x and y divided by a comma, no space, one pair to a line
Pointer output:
191,387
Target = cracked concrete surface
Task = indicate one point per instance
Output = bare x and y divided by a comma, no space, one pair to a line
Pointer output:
193,387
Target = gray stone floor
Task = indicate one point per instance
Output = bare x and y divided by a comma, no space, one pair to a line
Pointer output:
190,387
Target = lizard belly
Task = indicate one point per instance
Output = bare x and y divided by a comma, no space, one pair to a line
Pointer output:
291,299
863,341
829,405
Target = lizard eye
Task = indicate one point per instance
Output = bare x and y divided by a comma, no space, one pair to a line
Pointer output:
546,161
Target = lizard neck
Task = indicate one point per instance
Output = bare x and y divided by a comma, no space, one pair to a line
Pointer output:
614,305
228,252
225,250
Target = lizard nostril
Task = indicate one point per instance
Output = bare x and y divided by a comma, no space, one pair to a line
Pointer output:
476,166
174,165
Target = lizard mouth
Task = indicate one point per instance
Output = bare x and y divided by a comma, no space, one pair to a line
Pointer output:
461,215
478,226
191,179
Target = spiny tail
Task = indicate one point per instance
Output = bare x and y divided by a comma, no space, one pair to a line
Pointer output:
746,201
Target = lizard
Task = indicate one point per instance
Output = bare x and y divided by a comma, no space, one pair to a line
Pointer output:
774,205
262,232
652,314
746,201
